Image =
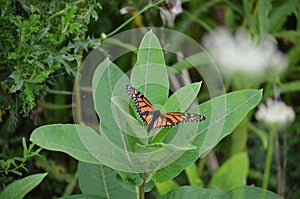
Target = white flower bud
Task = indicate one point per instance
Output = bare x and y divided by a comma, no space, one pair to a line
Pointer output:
275,113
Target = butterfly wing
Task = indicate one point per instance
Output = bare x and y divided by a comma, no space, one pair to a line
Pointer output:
174,118
153,118
144,108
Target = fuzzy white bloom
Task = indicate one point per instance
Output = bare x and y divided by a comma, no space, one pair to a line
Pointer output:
240,54
275,113
169,10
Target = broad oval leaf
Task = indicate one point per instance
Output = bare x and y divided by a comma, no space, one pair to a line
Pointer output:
222,114
64,138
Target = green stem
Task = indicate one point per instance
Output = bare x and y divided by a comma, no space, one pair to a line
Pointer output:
72,183
268,162
142,187
150,5
142,191
239,137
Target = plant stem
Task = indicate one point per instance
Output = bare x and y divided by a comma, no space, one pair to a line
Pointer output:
150,5
141,191
142,187
239,137
268,162
72,183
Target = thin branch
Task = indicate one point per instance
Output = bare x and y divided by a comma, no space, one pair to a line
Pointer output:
150,5
268,163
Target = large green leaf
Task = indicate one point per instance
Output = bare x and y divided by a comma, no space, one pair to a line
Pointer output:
244,192
223,114
102,181
19,188
150,70
232,174
84,144
65,138
108,81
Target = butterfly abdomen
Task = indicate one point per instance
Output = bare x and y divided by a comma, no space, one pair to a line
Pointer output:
154,118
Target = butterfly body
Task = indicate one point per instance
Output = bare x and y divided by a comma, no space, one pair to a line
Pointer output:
154,118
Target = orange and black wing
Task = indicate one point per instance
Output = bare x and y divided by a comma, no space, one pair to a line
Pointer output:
172,119
153,118
144,108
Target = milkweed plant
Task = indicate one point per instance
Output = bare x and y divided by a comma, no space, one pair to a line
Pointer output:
121,146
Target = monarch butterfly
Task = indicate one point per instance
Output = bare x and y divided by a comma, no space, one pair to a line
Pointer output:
154,118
